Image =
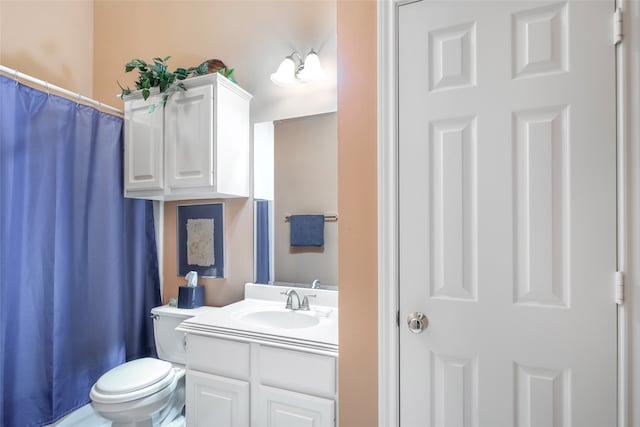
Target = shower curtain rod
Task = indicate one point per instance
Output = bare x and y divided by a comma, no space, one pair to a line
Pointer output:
80,98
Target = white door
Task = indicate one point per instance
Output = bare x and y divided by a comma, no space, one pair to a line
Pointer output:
507,213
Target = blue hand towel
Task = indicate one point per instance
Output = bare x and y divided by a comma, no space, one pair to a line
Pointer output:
307,230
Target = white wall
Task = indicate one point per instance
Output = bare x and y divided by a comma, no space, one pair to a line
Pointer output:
263,161
632,196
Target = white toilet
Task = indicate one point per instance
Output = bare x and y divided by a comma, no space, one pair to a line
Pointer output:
148,392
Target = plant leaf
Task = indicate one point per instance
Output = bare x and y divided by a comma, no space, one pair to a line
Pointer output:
157,74
133,64
181,73
125,90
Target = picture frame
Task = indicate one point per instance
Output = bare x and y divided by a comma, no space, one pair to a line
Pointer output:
200,239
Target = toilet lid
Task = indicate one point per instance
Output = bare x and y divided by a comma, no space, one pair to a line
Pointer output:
133,376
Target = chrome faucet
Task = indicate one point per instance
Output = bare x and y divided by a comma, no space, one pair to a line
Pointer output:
315,284
290,303
295,304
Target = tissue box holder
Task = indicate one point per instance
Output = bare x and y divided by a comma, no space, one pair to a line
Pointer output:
190,296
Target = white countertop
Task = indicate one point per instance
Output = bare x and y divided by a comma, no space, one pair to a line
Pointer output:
227,322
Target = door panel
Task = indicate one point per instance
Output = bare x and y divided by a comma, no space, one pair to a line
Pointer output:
507,213
284,408
215,400
144,146
189,138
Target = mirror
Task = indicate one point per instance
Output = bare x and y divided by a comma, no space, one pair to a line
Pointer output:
295,172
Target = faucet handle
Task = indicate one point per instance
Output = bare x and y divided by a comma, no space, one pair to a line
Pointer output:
305,302
288,293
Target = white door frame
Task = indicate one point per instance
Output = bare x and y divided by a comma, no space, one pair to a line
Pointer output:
388,262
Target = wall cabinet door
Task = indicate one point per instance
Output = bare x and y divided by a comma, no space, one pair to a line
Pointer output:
282,408
143,146
216,401
189,139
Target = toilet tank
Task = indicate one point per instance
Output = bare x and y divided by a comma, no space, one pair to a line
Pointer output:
170,344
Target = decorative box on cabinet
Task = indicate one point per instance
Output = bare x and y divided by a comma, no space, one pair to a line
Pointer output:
196,147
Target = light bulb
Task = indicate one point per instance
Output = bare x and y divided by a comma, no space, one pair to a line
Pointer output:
285,75
312,69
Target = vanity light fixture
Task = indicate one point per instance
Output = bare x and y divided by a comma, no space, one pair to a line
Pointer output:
289,71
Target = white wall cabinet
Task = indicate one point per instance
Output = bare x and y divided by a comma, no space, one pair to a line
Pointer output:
271,386
196,147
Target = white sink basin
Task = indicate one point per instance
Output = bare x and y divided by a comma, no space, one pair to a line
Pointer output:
279,318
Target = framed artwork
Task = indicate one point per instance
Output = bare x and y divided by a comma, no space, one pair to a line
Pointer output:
200,239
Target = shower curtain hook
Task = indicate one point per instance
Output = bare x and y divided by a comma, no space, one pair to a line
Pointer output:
47,88
78,101
15,76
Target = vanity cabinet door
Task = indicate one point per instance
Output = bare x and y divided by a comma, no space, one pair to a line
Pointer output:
283,408
144,147
216,401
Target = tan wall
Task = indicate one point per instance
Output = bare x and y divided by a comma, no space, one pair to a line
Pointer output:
357,201
238,241
252,36
239,32
51,40
54,40
190,32
306,181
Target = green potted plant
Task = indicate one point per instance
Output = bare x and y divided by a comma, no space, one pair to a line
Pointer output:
158,75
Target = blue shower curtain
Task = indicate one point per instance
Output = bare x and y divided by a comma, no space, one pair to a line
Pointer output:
78,266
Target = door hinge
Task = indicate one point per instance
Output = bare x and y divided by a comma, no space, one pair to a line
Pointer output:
617,27
619,285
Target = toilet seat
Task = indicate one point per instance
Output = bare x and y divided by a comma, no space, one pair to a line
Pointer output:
133,380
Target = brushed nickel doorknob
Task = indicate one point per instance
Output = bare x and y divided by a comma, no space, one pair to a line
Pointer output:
417,322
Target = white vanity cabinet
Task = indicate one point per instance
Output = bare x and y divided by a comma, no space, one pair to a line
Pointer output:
196,147
236,383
